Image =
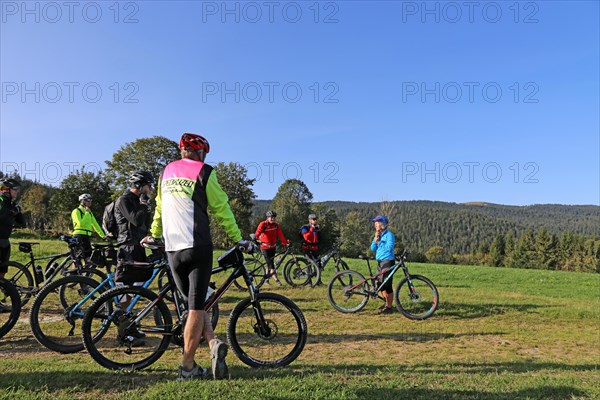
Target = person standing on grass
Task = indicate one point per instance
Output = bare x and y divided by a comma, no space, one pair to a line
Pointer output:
85,224
132,214
187,190
267,232
383,246
10,215
311,233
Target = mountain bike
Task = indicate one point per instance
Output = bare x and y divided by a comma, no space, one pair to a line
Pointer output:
30,278
416,296
306,269
293,274
10,306
264,330
58,309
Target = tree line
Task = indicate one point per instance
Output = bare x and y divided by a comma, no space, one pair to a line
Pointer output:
542,236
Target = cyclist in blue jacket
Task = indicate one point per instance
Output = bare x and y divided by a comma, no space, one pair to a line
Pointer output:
383,246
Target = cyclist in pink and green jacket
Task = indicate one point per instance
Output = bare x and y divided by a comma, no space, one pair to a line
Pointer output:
187,190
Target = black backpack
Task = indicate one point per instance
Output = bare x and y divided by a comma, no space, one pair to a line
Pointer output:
109,222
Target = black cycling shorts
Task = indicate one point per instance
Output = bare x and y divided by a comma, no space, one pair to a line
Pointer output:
191,270
269,255
385,266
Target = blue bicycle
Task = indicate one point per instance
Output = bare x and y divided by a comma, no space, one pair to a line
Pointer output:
57,311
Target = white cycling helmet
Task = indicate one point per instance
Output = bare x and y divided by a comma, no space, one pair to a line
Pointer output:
85,196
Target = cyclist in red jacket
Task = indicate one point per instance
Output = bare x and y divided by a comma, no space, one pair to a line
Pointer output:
267,232
310,238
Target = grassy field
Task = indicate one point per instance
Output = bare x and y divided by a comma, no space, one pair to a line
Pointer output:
498,334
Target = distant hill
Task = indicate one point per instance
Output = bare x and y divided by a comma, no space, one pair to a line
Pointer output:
462,227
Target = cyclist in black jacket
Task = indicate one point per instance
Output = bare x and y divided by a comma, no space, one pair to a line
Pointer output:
132,214
10,214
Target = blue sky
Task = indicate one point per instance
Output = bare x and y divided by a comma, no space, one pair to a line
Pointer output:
363,101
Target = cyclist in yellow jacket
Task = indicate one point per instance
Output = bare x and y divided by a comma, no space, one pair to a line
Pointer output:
85,224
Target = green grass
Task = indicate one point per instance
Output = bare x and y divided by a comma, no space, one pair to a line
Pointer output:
498,334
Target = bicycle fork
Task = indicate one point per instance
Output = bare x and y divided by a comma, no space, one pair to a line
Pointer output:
261,327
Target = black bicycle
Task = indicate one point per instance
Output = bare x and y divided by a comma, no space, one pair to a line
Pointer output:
31,277
10,306
264,330
416,296
293,273
306,271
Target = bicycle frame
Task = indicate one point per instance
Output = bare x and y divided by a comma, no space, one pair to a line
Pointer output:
392,271
39,274
239,271
112,284
282,255
333,254
41,278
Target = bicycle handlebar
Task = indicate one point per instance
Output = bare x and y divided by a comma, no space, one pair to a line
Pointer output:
154,246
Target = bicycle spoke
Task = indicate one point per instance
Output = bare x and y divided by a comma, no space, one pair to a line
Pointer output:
122,344
278,342
419,303
56,313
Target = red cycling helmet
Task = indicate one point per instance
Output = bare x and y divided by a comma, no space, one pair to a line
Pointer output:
196,142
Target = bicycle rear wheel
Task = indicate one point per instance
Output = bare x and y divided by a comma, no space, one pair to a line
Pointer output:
10,306
122,345
20,276
276,340
419,303
300,272
348,291
55,318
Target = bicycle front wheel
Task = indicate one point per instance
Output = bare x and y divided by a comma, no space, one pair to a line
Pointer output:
56,313
10,306
275,339
421,301
348,291
127,344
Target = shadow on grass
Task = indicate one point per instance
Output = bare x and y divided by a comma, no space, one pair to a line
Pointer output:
118,382
19,344
452,310
400,336
516,367
468,311
544,392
